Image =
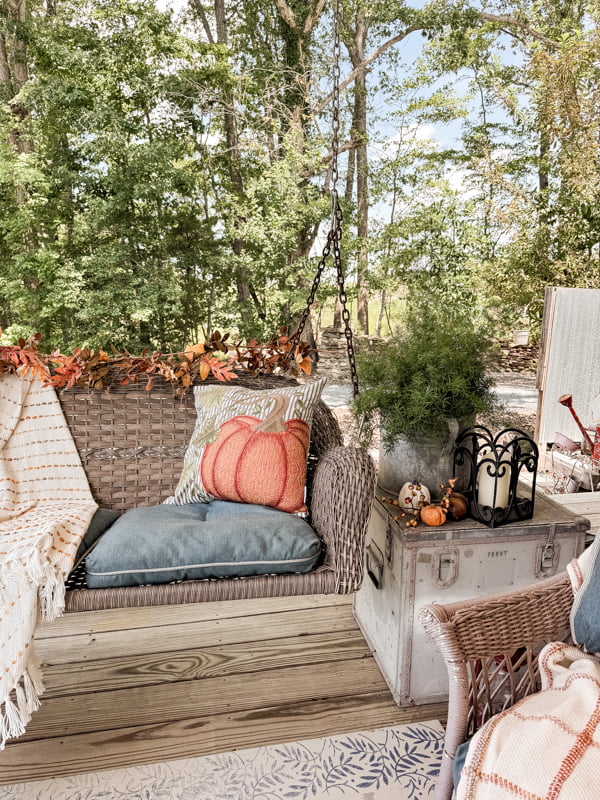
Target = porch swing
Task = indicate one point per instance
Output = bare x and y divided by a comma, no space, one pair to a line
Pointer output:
132,441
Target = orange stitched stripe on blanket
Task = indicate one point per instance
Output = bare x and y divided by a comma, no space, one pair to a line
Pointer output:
48,466
560,723
46,452
516,791
40,489
25,431
42,416
575,753
543,662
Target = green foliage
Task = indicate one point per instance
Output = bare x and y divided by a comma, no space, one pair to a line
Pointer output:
130,214
435,369
119,220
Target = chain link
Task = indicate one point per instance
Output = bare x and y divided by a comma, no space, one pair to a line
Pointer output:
337,257
334,237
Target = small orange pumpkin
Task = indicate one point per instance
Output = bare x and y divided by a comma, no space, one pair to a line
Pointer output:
433,515
259,461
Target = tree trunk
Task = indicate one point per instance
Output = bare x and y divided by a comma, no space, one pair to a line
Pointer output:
356,51
362,196
350,171
381,313
14,74
296,32
235,175
5,76
543,166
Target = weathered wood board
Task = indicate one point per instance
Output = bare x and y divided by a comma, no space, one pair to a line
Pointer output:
137,686
585,503
569,361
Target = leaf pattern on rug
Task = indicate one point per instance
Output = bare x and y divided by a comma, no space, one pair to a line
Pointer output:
400,762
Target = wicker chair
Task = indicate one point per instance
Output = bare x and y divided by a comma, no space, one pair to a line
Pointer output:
132,441
490,647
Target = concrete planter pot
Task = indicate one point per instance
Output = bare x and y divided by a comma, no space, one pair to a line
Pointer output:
423,460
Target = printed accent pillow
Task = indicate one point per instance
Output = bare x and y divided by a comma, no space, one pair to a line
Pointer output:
249,446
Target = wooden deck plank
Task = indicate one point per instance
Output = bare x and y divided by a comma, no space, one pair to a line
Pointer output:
588,500
186,665
204,633
587,504
121,691
148,705
196,736
117,619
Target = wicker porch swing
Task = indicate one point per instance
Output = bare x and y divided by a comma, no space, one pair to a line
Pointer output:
131,442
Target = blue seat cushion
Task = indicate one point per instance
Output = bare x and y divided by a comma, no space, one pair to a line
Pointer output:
161,544
102,520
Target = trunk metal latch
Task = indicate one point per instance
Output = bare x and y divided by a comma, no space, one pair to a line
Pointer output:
547,555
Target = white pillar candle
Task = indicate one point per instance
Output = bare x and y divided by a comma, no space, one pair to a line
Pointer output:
486,482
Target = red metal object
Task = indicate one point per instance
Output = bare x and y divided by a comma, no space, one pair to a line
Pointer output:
596,447
567,401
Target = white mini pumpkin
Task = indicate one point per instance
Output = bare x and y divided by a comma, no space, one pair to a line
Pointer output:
413,495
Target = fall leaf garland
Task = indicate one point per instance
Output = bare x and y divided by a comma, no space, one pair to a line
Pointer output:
215,356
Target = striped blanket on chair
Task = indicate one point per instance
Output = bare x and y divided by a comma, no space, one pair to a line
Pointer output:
547,746
45,508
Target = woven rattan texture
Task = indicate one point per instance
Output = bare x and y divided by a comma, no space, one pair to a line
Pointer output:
132,443
502,624
344,477
321,581
490,647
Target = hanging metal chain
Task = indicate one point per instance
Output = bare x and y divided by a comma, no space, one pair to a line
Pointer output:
337,257
334,237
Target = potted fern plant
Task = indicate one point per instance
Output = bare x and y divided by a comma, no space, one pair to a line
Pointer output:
426,383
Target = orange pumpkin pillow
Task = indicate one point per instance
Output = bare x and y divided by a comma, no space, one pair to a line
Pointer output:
249,446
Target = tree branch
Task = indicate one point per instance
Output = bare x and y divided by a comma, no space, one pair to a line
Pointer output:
351,145
5,76
286,13
361,67
201,14
513,22
314,16
502,20
18,9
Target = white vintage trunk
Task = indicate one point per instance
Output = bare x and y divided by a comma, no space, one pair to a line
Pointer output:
457,561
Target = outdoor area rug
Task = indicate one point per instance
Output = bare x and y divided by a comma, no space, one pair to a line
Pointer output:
399,763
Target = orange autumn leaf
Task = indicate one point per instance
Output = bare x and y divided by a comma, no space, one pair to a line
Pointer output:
204,369
100,369
195,349
222,370
305,365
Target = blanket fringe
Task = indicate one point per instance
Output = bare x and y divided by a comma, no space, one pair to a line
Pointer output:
52,598
33,685
15,716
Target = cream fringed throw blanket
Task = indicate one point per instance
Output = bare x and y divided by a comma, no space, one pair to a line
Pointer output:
547,746
45,508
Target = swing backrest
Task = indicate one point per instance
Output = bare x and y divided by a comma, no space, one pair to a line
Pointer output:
132,441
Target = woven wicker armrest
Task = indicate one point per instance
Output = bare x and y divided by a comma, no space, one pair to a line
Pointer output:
490,647
342,497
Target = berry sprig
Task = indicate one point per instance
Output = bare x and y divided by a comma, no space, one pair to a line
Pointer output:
453,503
414,513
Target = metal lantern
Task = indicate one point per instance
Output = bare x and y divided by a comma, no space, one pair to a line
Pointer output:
489,467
